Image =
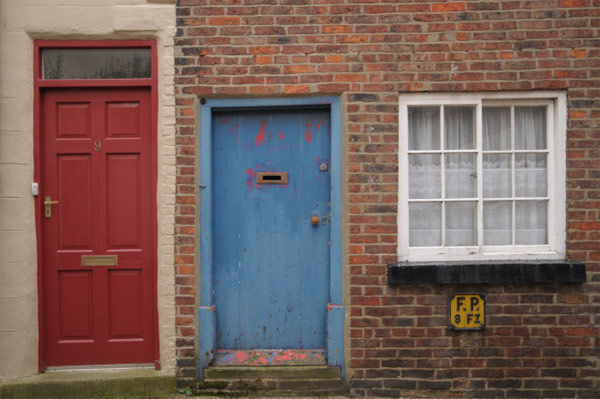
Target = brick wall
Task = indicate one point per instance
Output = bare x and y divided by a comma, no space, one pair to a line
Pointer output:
541,339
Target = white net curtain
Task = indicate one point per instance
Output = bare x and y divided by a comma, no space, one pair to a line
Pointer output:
451,192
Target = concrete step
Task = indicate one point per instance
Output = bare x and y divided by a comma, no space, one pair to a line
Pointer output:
97,384
280,381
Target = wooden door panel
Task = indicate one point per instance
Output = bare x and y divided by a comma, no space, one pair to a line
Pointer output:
76,311
122,119
74,213
125,312
123,199
74,120
98,163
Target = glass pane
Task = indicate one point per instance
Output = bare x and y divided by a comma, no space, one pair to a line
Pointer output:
425,224
496,176
99,63
461,176
496,128
497,223
531,222
424,176
459,128
530,128
461,223
423,128
531,172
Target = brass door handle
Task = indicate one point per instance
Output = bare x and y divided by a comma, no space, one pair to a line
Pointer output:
48,206
314,220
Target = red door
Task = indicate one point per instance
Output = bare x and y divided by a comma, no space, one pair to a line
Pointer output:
98,256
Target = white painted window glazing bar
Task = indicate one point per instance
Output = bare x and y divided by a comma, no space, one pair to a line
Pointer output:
513,217
479,173
551,175
443,171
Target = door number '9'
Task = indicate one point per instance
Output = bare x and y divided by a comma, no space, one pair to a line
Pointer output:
97,145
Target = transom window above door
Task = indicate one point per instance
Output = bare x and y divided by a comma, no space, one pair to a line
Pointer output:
96,63
481,176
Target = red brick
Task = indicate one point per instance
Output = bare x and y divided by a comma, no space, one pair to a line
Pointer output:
220,21
445,7
297,69
329,29
574,3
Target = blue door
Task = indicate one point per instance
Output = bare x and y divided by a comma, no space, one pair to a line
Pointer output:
271,211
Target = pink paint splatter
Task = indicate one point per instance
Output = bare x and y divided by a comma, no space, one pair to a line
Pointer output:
241,356
251,174
308,132
260,137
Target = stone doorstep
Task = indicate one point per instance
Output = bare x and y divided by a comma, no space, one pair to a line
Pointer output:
273,372
97,384
273,381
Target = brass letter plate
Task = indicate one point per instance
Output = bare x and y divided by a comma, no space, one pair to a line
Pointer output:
271,178
99,260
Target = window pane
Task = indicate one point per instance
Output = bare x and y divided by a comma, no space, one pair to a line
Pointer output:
531,222
425,224
423,128
100,63
530,128
497,223
496,176
424,176
459,127
461,223
461,176
496,128
531,172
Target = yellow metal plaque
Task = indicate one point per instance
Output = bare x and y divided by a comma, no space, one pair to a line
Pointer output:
467,312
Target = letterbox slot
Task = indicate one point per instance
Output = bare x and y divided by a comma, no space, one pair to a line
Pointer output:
271,178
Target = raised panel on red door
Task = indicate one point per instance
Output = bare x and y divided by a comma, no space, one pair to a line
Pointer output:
98,164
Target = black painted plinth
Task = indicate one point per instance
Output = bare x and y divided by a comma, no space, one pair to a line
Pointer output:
487,272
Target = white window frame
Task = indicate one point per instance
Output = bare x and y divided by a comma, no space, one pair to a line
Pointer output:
557,127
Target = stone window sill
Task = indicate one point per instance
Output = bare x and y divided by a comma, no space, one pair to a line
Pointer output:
487,272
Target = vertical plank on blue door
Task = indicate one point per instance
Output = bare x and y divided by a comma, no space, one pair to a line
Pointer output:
271,270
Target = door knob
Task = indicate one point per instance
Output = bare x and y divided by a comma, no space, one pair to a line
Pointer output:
314,220
48,206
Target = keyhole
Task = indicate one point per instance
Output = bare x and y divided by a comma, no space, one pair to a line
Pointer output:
97,145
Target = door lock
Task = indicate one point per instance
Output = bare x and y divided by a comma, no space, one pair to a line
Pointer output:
48,206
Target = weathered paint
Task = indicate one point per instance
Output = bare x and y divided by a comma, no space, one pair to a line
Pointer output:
335,327
335,336
270,357
207,337
271,264
260,137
